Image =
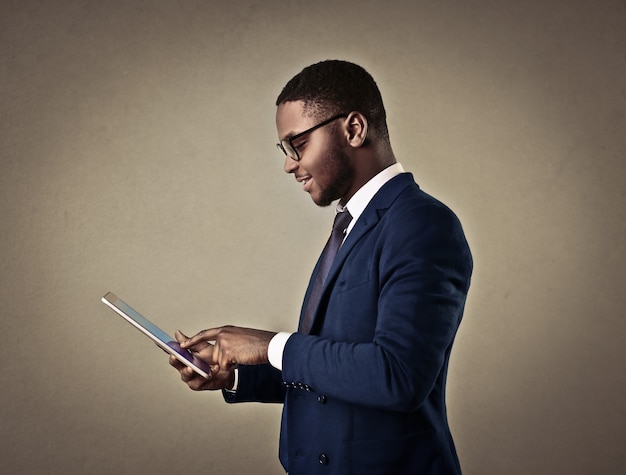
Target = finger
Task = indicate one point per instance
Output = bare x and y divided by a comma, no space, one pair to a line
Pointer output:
187,374
180,337
197,382
204,352
201,384
204,335
175,362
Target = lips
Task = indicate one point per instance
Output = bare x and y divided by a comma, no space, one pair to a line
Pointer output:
304,179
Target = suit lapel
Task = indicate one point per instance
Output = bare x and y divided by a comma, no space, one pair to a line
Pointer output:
370,217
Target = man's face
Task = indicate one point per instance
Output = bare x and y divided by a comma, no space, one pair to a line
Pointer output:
323,169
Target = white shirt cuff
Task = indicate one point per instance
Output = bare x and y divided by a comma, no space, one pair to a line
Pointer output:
233,390
276,348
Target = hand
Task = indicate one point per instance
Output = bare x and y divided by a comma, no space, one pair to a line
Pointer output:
227,347
218,379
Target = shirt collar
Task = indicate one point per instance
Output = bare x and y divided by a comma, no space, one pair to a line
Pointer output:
359,201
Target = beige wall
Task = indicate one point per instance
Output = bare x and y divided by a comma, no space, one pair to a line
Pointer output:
137,156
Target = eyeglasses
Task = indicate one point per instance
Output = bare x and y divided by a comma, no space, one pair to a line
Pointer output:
287,146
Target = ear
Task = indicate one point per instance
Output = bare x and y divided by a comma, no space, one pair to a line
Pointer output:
356,129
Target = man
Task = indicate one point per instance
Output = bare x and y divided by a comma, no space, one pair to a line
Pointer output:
363,380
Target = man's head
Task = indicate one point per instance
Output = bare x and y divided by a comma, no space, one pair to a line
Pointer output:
332,128
337,87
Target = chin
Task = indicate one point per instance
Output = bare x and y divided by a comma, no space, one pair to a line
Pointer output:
322,203
323,200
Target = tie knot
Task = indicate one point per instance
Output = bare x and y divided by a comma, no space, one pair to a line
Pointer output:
342,220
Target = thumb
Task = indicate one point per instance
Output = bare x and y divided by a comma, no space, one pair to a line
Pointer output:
180,337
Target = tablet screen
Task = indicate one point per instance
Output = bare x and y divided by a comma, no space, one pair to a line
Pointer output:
166,342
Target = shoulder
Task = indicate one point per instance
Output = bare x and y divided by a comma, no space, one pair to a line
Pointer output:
414,208
402,213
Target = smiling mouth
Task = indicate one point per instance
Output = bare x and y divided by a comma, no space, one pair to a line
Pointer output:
304,180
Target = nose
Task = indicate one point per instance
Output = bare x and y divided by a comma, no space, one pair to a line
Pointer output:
290,165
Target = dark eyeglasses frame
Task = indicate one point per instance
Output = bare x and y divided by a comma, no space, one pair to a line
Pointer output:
287,143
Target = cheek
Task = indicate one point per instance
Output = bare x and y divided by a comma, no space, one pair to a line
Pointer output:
315,162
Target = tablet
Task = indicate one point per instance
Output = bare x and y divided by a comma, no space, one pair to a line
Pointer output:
162,339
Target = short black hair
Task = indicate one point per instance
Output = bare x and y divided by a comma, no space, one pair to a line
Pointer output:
335,87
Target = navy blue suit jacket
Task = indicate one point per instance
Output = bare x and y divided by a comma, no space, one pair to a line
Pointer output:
364,393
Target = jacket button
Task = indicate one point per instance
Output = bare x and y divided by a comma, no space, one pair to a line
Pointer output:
323,459
321,399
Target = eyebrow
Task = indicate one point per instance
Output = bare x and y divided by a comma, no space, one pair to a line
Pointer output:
292,133
288,136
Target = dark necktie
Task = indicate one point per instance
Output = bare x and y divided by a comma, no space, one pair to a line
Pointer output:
342,220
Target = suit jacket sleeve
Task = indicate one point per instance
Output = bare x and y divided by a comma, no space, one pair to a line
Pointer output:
261,383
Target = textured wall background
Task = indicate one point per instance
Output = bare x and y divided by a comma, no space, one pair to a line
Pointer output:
137,156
